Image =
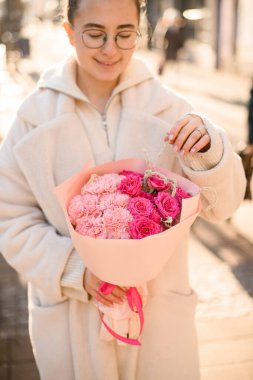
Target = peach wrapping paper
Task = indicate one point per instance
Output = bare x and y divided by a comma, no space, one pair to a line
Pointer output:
129,262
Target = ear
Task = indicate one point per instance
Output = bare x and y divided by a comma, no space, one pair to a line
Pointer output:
69,30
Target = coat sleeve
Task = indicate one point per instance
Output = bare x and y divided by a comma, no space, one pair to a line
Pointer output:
220,175
218,172
28,242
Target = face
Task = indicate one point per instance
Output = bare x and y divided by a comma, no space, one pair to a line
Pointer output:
111,16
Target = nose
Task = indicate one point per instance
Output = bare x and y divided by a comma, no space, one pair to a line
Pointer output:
110,48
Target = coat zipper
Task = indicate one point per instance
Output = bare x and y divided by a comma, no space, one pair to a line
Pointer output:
105,127
104,121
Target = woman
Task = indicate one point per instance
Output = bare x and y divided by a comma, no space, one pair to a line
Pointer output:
99,105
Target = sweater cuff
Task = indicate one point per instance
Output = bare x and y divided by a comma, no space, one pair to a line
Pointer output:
210,158
72,278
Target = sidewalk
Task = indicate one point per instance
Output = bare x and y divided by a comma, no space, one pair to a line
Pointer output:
221,267
221,256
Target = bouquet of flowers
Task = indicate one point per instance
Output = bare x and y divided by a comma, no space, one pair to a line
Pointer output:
126,205
118,215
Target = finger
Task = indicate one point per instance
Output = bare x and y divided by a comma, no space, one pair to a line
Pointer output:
172,135
195,137
186,132
117,296
91,283
180,123
200,146
114,299
100,298
119,292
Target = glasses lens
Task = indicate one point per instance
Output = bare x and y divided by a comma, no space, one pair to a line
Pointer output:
93,38
127,39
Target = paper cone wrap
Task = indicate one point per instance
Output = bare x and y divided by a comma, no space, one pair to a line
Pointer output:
128,262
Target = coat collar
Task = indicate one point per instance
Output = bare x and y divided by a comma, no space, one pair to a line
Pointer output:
62,78
57,92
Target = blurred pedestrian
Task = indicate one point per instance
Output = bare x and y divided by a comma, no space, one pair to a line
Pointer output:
249,148
247,153
101,104
173,41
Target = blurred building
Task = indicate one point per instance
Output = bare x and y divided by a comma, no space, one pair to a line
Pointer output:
221,30
11,14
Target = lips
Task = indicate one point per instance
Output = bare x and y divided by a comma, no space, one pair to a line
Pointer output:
108,64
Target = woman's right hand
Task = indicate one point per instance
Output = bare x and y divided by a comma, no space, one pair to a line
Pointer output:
91,284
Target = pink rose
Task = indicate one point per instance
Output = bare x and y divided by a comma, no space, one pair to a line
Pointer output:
142,227
130,185
156,182
181,194
149,196
156,216
140,206
126,173
167,205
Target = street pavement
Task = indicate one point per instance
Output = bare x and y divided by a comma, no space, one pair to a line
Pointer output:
220,255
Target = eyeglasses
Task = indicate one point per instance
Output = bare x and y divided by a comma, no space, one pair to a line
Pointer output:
95,39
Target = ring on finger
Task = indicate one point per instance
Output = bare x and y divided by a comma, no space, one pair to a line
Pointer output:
201,133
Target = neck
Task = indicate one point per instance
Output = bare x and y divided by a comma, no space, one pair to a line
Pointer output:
98,92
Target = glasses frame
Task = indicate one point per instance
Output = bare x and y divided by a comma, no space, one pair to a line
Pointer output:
137,32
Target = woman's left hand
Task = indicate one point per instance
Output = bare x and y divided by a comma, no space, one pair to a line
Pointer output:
189,135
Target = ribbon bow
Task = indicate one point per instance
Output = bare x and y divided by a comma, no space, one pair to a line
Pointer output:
135,303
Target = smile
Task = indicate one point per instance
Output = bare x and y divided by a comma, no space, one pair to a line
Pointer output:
108,64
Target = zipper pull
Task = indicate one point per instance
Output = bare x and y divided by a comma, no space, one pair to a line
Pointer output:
104,124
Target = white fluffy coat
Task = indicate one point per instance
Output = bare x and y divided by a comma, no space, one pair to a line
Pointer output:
56,131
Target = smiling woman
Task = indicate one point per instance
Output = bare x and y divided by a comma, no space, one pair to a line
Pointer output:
102,104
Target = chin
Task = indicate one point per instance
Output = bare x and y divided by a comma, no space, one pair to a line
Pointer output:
108,77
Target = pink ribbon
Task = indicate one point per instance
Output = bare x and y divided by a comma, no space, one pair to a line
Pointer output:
135,303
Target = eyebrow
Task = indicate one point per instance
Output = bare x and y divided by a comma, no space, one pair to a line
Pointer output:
94,25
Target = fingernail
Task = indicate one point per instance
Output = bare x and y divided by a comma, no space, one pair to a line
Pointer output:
182,153
175,147
193,150
171,136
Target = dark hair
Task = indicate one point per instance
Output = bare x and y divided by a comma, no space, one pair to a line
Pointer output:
71,6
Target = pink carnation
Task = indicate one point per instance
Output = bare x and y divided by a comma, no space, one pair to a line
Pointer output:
92,227
113,200
91,203
82,205
117,222
130,185
142,227
140,206
167,205
106,183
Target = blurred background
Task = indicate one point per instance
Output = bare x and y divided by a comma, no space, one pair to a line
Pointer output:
210,62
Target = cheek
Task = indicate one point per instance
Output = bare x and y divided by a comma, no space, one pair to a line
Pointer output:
128,55
83,55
